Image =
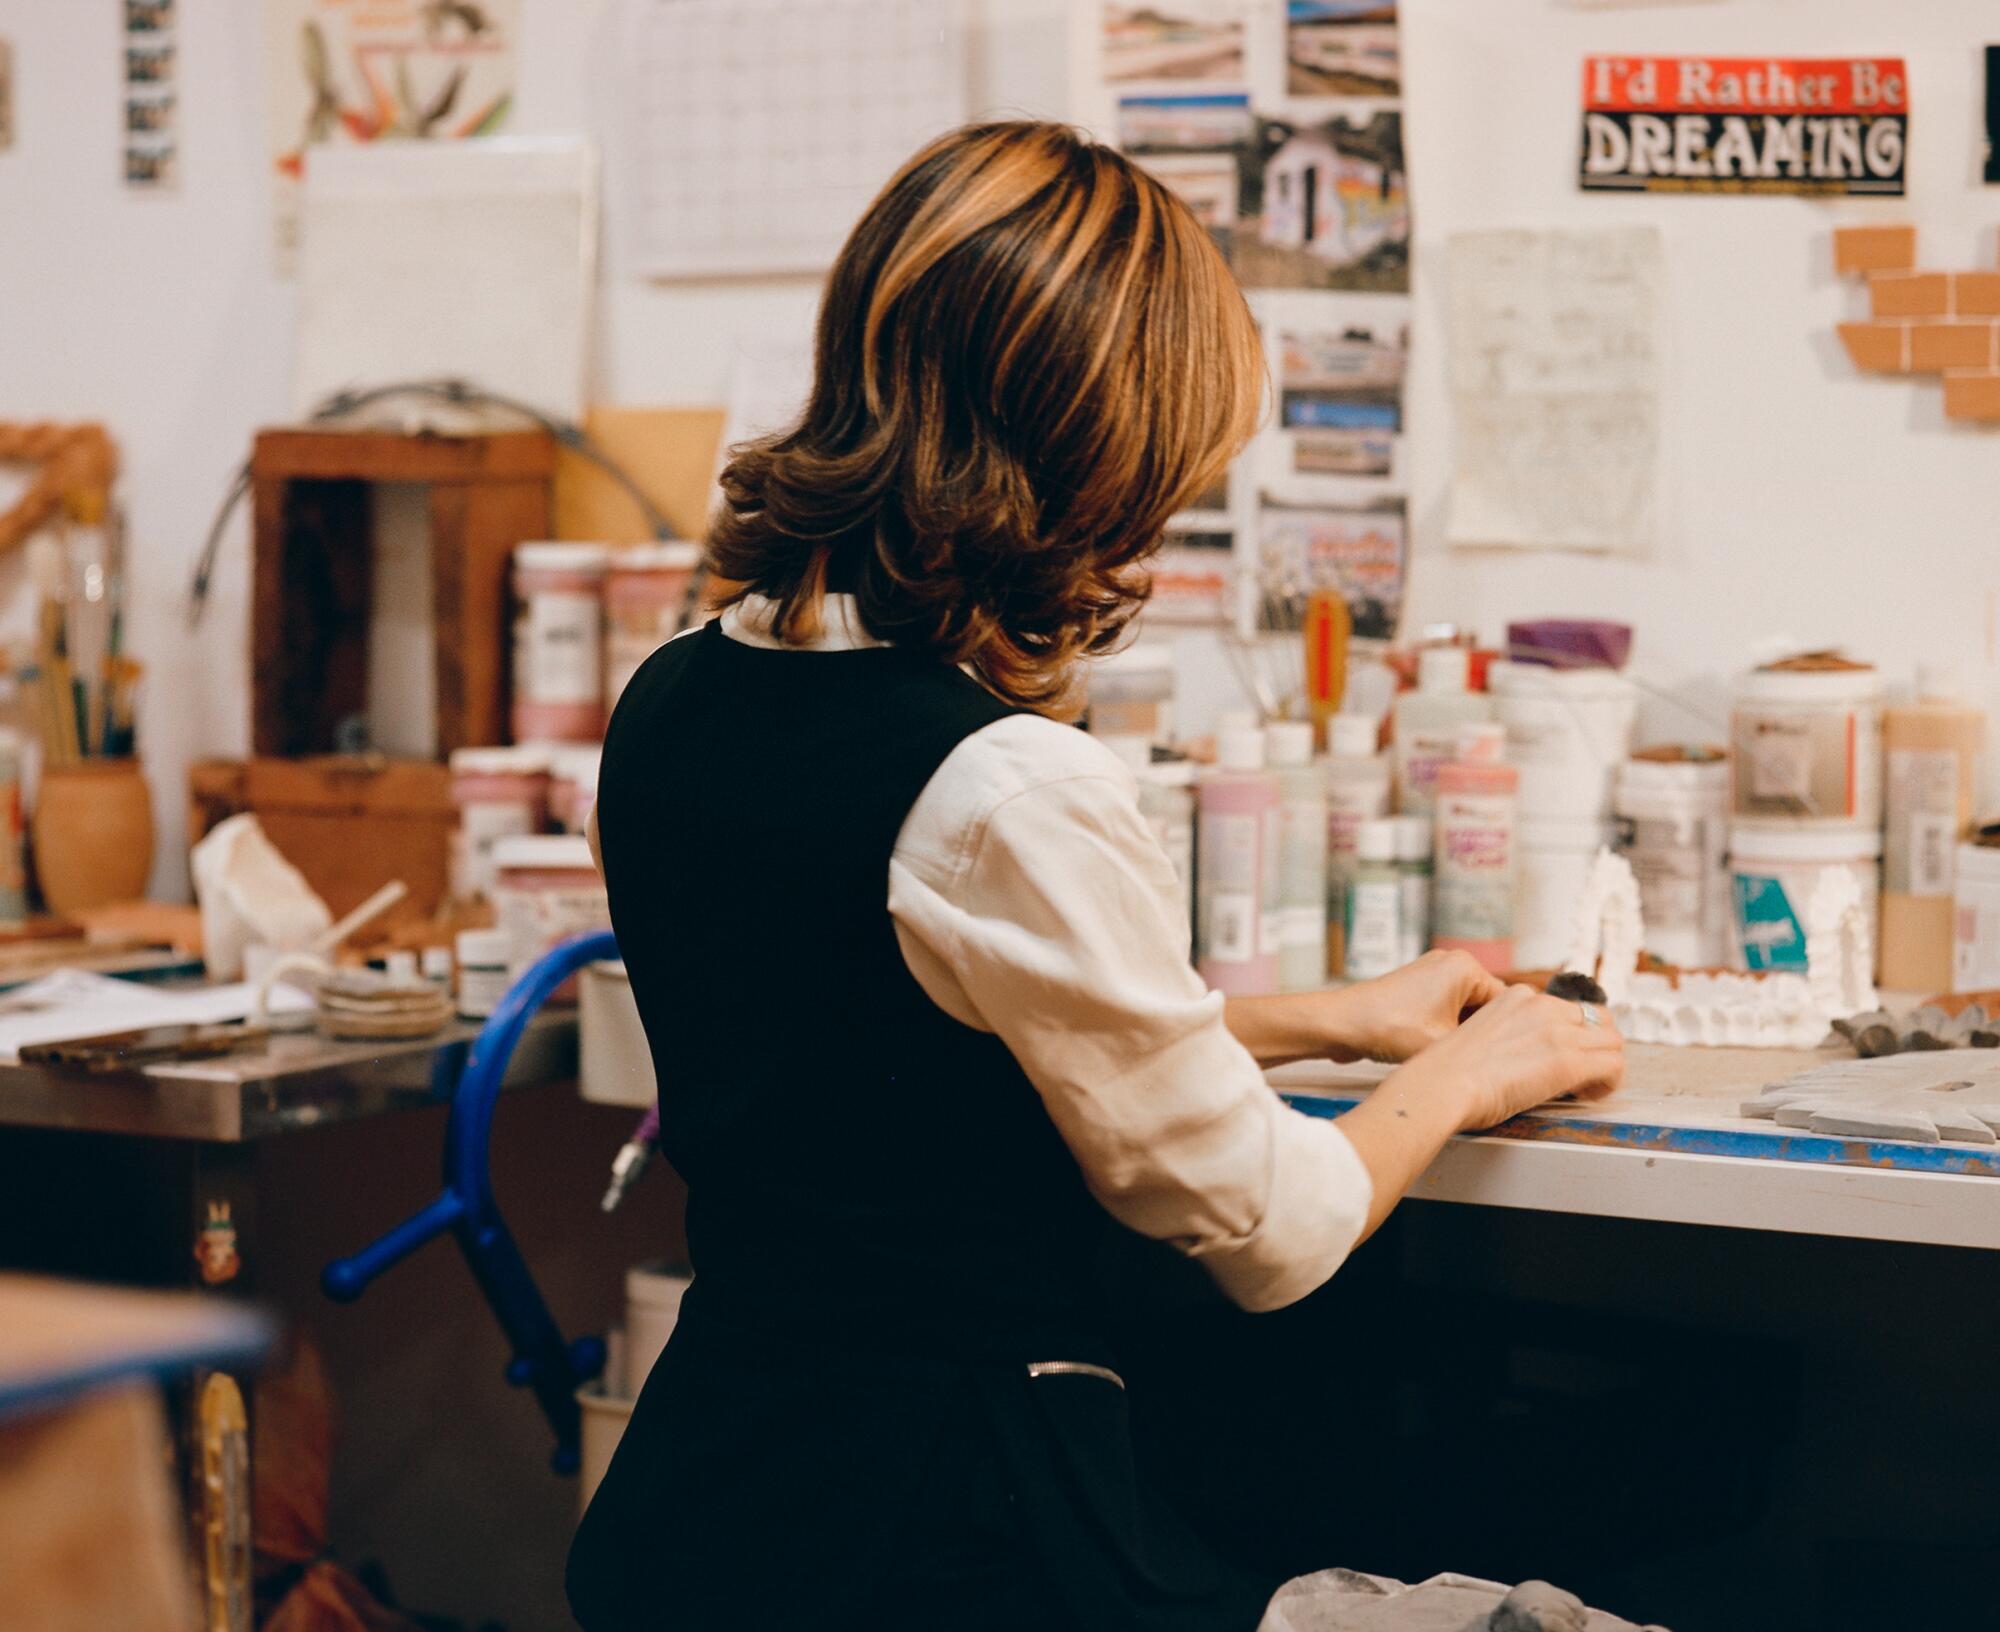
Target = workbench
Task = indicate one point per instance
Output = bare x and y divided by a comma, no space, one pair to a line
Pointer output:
1672,1146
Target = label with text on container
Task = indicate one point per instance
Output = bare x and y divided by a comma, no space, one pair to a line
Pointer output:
1475,868
1821,126
1236,867
1923,820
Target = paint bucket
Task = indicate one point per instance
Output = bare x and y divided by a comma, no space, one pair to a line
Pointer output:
1808,747
1774,869
1673,810
1975,947
614,1060
653,1294
1555,860
1568,731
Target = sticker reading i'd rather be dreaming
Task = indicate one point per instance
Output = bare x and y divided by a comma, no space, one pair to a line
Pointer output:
1821,127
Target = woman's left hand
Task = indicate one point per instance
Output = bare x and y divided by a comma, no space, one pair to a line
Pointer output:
1404,1012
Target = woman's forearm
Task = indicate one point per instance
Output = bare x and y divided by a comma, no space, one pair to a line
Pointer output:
1398,1130
1296,1026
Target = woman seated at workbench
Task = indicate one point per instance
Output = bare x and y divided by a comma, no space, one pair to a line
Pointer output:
911,966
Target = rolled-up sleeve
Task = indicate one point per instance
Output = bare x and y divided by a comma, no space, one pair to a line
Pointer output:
1047,917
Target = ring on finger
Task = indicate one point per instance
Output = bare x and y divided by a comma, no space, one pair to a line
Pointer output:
1590,1014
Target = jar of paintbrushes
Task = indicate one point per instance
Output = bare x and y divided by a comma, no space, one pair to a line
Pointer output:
92,832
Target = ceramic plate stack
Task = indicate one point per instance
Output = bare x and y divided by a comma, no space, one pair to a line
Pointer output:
362,1005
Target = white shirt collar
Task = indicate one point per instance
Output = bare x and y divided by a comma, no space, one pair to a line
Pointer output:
750,620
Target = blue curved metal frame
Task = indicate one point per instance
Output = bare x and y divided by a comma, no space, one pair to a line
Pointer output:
542,1362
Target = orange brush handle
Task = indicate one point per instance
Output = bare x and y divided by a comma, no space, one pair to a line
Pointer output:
1329,625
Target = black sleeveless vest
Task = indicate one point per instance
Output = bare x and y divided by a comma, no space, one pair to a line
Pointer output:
887,1231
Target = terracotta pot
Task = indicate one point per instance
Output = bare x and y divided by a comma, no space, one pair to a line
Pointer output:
93,834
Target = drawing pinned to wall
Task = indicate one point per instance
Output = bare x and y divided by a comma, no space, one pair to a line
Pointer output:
1359,551
146,119
1174,39
1820,127
1555,388
1342,48
392,70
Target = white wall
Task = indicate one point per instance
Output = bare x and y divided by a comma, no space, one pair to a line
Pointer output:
1795,497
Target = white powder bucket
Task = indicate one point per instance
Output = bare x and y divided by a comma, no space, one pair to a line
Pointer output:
1568,730
653,1294
1808,747
1555,860
1975,944
1674,819
1773,872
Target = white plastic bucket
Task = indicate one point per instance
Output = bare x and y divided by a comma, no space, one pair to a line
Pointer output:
1568,731
653,1294
1774,871
1975,945
1808,747
615,1062
1674,816
1555,862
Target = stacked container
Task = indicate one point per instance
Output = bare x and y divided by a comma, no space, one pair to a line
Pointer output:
1932,750
1236,868
1673,805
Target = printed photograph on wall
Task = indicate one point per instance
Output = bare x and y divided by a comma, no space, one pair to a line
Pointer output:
146,124
1341,48
1340,400
1176,39
1325,207
1193,574
1357,550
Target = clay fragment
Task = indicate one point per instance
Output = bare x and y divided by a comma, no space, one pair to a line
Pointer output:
1535,1606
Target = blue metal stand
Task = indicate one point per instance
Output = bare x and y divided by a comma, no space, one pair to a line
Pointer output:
542,1361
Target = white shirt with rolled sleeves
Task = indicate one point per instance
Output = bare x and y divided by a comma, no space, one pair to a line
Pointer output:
1031,900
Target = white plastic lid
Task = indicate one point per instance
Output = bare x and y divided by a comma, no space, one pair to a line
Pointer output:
547,852
1482,742
1505,678
1240,749
1444,668
679,556
484,947
1413,838
1238,719
1352,736
1376,840
522,761
1760,841
1289,742
577,762
1168,773
1938,682
437,962
1673,776
550,556
1810,685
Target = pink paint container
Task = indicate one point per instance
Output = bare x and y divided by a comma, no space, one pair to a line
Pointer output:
501,793
546,889
1477,868
1236,869
559,642
644,592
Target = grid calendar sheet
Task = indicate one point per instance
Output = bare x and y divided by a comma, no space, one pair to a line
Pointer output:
763,127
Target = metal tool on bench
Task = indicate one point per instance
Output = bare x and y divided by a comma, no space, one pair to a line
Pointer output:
543,1362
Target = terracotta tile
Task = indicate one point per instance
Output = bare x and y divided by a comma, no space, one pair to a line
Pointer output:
1878,348
1973,394
1975,294
1874,249
1909,294
1937,346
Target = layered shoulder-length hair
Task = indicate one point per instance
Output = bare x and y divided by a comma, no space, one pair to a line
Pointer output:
1030,355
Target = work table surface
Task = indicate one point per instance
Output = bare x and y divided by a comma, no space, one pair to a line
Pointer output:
1674,1146
300,1080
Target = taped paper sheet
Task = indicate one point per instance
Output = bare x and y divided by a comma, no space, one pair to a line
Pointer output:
1554,367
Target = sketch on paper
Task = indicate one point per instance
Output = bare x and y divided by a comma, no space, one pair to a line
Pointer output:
1554,383
1174,39
1342,48
393,70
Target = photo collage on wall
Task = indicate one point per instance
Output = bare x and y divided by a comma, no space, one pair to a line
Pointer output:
1280,123
148,114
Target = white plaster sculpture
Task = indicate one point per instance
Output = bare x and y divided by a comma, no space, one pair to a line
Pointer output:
1722,1010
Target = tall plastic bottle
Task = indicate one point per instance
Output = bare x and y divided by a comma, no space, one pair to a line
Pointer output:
1357,791
1477,859
1374,904
1428,721
1301,855
1236,868
1414,869
1932,752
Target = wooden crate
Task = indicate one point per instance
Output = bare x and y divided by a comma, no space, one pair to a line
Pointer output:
310,574
349,824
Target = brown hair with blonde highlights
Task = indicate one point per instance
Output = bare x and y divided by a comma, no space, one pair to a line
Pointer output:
1030,354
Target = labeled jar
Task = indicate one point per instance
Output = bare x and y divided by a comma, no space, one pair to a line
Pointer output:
483,977
1376,941
501,793
1477,866
546,889
1774,870
1975,952
1673,805
559,642
1808,744
1568,730
646,589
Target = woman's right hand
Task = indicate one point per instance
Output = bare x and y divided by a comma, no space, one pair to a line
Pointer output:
1521,1050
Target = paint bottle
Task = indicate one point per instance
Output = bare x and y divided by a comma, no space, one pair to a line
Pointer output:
1932,750
13,858
1374,900
1301,856
1357,791
1414,868
1428,722
1236,868
1477,866
1166,800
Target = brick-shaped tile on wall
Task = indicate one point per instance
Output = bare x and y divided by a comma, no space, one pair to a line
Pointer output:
1942,323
